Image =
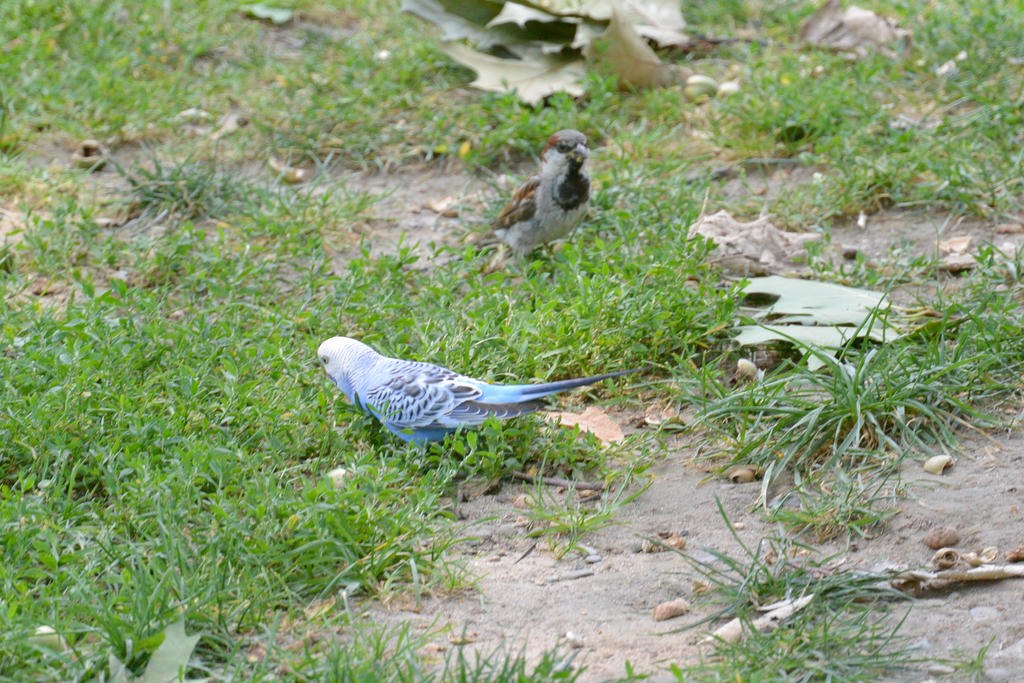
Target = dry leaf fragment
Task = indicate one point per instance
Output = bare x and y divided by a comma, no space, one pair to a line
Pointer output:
855,29
955,245
1010,229
732,631
445,206
231,122
193,115
671,609
944,558
288,174
593,420
757,243
957,263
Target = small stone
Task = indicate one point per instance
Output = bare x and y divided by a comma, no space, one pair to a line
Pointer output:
670,609
984,613
999,674
338,477
47,636
676,541
941,537
1015,555
592,559
649,546
572,640
940,669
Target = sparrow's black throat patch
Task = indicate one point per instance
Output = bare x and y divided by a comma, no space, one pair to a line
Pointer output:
573,190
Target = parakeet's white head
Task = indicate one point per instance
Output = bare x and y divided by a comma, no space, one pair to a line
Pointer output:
340,357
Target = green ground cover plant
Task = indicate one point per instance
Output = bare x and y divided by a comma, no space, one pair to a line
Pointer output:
165,434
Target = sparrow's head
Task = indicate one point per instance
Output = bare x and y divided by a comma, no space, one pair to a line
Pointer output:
566,147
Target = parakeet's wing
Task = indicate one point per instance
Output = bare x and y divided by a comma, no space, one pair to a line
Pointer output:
416,395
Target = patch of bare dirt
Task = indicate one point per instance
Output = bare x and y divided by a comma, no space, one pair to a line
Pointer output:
908,234
422,209
533,602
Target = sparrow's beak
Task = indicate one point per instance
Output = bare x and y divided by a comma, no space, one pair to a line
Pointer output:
578,155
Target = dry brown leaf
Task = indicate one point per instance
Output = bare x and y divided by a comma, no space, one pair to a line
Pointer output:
445,206
854,29
955,245
957,263
593,420
622,51
671,609
231,122
287,174
757,245
1010,229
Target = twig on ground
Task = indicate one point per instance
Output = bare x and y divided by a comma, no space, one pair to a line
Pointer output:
917,580
732,631
558,481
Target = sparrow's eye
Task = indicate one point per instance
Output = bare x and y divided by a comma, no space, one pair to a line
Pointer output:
564,146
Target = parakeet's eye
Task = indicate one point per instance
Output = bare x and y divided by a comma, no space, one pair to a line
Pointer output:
323,359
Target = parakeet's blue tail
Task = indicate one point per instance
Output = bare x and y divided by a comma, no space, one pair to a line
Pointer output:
519,393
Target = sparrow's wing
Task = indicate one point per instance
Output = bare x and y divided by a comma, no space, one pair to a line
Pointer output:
522,206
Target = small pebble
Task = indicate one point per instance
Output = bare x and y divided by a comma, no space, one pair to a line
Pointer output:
572,640
592,559
984,613
941,537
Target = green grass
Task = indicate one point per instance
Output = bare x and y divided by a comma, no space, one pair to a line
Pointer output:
165,435
848,631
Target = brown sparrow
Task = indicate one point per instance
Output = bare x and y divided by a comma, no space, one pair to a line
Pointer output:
552,202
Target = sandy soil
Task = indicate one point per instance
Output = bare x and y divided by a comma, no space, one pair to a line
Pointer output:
533,603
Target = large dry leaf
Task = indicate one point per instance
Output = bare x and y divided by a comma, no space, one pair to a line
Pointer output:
593,420
532,78
622,51
754,247
453,26
816,314
855,29
170,660
660,20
